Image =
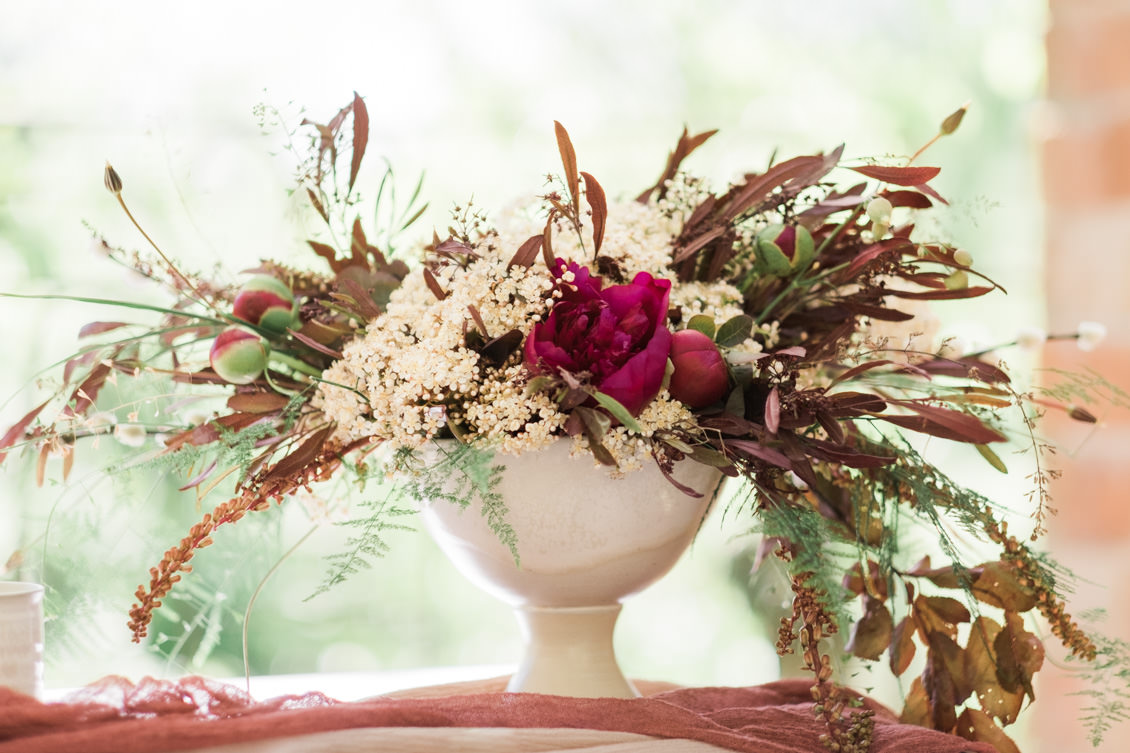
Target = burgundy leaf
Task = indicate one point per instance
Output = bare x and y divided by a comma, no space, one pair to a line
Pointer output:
681,487
199,478
433,284
912,199
855,404
257,402
360,136
944,423
757,450
97,328
874,251
569,161
301,457
900,176
855,371
882,313
17,429
965,367
594,194
478,319
834,453
314,344
941,295
527,252
87,391
366,306
318,204
329,253
683,148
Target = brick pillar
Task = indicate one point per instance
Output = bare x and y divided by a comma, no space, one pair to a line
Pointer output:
1086,168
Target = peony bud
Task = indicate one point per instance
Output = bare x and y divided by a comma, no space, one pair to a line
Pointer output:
1090,335
266,302
238,356
782,249
700,377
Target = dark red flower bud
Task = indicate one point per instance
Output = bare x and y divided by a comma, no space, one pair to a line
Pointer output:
701,377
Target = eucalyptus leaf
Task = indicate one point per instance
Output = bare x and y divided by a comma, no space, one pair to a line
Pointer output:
703,324
734,331
617,409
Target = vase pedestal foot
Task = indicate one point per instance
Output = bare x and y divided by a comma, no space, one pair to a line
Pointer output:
569,652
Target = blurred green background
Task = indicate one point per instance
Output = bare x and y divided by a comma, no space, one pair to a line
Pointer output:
466,93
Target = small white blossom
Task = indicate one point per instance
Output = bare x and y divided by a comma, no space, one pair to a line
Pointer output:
1030,338
131,435
100,423
1090,335
879,210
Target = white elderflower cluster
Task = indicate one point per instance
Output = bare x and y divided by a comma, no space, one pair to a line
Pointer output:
631,451
414,369
720,301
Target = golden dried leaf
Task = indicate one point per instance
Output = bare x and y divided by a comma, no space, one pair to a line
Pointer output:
903,647
871,634
976,725
999,586
1020,655
916,706
980,673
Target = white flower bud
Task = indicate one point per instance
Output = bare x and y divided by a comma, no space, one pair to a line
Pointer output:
1030,338
131,435
879,210
1090,335
959,280
100,423
963,257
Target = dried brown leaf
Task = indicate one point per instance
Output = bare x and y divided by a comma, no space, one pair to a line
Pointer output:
871,633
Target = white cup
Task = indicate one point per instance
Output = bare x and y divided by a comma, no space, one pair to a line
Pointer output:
21,637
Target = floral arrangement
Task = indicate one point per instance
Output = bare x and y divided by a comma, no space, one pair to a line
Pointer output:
775,329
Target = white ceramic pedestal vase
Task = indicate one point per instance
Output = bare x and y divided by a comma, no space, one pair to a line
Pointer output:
585,542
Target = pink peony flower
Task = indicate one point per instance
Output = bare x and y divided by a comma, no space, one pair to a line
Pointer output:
616,337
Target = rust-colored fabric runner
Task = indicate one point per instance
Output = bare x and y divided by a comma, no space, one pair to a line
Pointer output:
117,716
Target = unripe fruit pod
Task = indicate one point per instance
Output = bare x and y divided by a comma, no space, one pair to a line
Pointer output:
701,377
238,356
266,302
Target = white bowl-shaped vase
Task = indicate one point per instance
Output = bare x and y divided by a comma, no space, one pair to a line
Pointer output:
585,541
